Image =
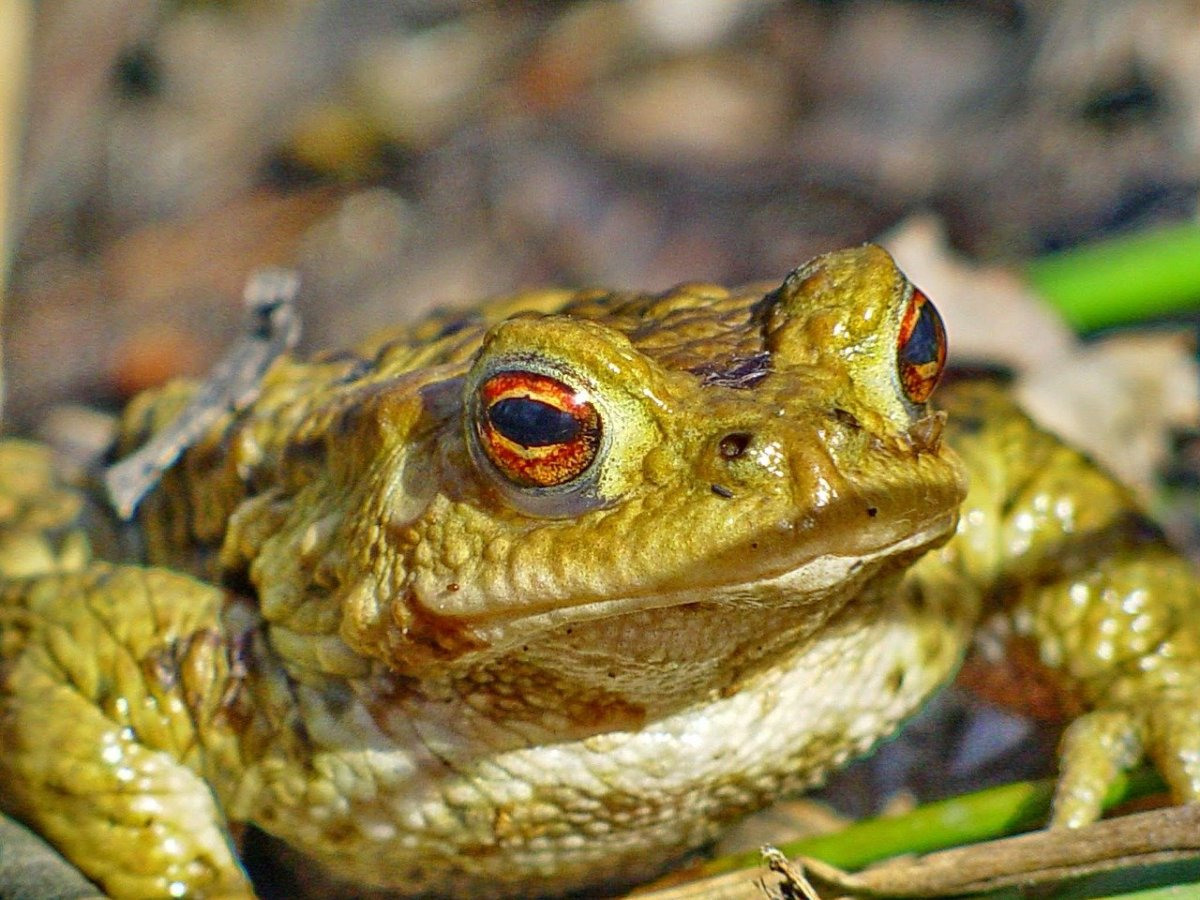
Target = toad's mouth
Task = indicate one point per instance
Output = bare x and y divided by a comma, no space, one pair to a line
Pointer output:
784,583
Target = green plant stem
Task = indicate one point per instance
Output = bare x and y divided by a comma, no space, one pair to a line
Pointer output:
983,815
1168,892
1125,279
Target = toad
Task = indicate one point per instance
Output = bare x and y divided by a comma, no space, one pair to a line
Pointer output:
542,595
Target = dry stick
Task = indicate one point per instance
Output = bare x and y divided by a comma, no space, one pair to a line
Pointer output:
1040,858
235,382
1139,839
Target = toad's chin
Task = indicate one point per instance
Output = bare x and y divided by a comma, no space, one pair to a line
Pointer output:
781,583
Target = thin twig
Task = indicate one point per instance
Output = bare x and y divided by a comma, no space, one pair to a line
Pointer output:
1040,858
235,382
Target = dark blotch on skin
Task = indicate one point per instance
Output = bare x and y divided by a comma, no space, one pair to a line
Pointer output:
735,372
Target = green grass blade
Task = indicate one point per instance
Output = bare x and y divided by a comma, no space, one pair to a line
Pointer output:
983,815
1125,279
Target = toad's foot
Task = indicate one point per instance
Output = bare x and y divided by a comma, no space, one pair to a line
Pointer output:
100,741
1101,744
1139,660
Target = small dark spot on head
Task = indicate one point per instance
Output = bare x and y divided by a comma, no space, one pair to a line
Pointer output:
754,545
570,630
846,418
733,445
872,511
722,491
611,673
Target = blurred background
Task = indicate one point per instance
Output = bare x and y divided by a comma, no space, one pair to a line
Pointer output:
407,153
413,153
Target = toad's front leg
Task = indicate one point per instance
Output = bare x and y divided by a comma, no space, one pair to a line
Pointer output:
1078,572
112,686
1126,635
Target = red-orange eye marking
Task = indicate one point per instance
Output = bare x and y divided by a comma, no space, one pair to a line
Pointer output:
920,348
536,430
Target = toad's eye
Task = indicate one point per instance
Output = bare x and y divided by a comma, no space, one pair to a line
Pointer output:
537,431
920,348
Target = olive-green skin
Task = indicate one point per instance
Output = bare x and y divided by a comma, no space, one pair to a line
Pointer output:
352,628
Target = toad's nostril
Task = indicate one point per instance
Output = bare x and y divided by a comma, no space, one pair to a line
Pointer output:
733,445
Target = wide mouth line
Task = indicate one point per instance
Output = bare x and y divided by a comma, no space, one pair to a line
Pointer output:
494,629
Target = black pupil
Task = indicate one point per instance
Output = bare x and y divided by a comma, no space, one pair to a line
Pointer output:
922,345
532,423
